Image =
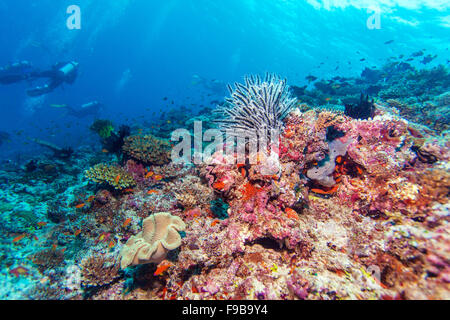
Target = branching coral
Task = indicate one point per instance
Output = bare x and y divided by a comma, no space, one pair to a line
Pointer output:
114,176
159,235
148,149
257,104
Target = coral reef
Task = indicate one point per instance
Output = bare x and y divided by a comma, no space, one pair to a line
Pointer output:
113,176
98,270
148,149
159,235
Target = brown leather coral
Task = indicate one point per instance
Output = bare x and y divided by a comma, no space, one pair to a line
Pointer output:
159,235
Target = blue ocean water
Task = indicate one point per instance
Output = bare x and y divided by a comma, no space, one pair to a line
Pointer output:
133,53
148,62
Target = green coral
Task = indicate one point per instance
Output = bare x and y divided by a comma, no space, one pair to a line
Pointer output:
104,128
113,176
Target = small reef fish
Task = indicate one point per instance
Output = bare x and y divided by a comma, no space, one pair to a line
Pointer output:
151,191
79,206
215,222
111,244
129,190
126,222
58,105
162,267
292,214
105,151
90,199
158,177
325,192
116,180
19,271
149,174
42,224
18,238
77,232
103,237
389,42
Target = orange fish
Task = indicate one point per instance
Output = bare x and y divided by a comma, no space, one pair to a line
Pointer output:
214,222
128,190
292,214
158,177
63,250
162,267
81,205
126,223
42,224
111,244
105,151
319,191
116,180
18,238
90,199
54,247
327,99
219,185
151,191
149,174
77,232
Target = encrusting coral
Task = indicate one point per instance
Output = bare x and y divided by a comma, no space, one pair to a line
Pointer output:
148,149
113,176
159,235
98,270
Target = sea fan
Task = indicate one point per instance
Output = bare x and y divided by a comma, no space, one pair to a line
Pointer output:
259,104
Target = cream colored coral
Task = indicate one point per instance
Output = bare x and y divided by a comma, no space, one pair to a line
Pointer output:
159,235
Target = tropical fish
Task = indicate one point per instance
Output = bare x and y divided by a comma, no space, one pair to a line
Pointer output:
105,151
111,244
292,214
389,42
311,78
90,199
77,232
158,177
18,238
149,174
162,267
81,205
126,222
152,191
216,221
42,224
116,180
19,271
58,105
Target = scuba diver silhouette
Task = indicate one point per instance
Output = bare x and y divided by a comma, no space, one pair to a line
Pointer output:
62,72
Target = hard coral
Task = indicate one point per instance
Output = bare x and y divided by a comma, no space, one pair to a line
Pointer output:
98,270
148,149
115,177
159,235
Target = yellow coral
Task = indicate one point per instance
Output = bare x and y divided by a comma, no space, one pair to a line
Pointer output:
111,175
